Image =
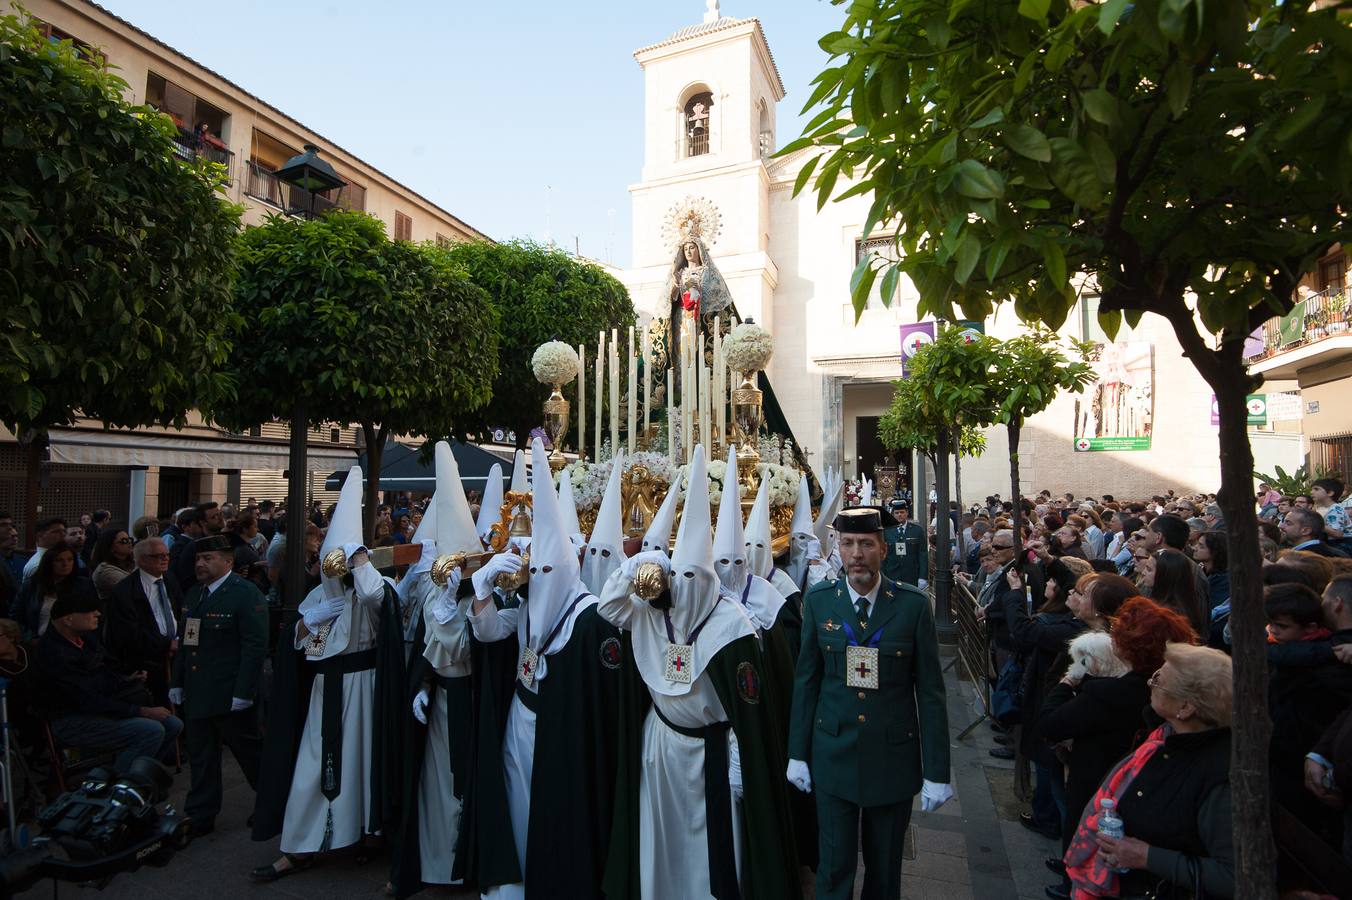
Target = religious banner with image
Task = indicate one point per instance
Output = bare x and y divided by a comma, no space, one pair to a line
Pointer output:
914,336
1116,412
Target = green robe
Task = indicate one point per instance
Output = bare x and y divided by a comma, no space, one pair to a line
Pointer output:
770,865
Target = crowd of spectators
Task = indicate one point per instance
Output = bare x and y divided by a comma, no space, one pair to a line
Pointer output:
1110,633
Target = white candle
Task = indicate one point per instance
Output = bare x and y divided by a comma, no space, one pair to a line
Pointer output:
581,400
671,418
600,378
719,411
614,392
647,380
633,392
704,410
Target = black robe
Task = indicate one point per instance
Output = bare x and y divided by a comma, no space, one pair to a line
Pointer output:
573,776
779,651
770,865
292,681
406,855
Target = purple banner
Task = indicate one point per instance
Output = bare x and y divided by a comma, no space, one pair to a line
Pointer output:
913,337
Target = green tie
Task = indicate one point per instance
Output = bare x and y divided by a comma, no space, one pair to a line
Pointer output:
861,605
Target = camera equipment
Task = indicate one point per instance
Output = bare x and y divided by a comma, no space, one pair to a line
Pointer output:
110,824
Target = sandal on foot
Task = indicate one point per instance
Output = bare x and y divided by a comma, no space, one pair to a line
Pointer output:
272,873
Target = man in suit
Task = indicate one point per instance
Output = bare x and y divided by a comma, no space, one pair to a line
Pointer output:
907,557
223,641
1304,528
141,631
192,524
869,728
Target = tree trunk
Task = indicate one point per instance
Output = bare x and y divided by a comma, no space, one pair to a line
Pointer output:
375,451
942,574
1015,493
957,492
297,501
1255,853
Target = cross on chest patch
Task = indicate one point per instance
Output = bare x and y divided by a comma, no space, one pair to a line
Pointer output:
526,667
861,667
680,658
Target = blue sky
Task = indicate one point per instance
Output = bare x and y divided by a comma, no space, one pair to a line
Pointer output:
524,119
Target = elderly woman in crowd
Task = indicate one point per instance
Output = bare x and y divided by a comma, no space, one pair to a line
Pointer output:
1101,717
111,560
1172,792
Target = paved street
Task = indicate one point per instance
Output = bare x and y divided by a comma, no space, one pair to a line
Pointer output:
972,848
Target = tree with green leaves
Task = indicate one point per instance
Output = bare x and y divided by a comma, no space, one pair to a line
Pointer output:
117,255
344,325
541,294
1184,158
1027,373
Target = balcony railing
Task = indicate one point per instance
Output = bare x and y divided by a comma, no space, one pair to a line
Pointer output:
1318,316
262,184
189,147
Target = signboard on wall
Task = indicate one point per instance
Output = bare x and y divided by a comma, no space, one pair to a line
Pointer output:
1116,412
1256,405
914,336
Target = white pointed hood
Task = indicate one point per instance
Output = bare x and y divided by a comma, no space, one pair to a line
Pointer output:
658,535
760,556
830,506
490,508
729,540
605,547
800,533
520,480
455,532
866,496
427,536
554,575
344,528
802,508
567,505
695,599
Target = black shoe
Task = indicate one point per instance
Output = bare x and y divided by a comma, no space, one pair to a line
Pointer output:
1055,865
1056,892
269,873
1002,753
1004,740
1026,820
201,827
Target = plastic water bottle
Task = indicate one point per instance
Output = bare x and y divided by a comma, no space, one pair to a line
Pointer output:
1109,825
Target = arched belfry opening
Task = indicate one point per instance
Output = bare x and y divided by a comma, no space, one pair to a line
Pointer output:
697,122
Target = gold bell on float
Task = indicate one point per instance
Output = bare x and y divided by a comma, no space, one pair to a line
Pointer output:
444,565
335,563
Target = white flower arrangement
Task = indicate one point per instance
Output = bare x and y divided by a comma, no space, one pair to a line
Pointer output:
590,479
748,347
657,464
554,362
717,474
783,481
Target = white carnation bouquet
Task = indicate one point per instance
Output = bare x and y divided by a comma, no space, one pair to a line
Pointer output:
554,362
718,476
748,347
783,481
657,464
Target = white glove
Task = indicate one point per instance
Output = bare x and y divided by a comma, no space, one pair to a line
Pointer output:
350,550
735,768
420,706
933,795
579,540
814,549
921,583
176,696
501,564
324,612
630,567
799,776
239,703
442,607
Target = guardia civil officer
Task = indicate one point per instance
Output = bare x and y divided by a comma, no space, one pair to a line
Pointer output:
222,644
907,550
869,728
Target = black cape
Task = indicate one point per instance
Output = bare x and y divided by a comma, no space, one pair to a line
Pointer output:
406,855
770,864
573,777
292,680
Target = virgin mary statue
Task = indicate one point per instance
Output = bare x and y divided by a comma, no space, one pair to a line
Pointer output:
696,293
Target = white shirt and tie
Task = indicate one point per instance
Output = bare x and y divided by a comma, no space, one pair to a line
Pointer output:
871,599
160,606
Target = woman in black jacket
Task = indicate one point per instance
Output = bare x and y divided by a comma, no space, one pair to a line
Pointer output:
55,576
1040,641
1103,718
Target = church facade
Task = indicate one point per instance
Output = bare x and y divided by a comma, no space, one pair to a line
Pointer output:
711,94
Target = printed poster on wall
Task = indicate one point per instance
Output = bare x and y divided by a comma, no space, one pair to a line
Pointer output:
914,336
1116,411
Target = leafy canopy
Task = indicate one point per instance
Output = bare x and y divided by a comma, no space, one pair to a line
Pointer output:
1028,371
116,256
948,388
541,294
358,327
1165,147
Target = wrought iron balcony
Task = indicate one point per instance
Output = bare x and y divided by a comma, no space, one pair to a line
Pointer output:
1318,325
189,146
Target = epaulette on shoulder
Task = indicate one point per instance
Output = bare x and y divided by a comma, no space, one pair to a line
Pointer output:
825,585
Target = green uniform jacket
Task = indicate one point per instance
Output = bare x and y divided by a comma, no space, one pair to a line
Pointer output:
231,646
870,747
911,565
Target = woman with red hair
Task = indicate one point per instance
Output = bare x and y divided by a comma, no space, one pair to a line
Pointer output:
1104,717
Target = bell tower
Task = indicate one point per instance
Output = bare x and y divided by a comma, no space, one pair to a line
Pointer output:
710,93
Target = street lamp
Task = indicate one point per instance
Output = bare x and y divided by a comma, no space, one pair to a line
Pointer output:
314,176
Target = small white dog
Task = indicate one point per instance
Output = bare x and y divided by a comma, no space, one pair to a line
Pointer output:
1092,654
